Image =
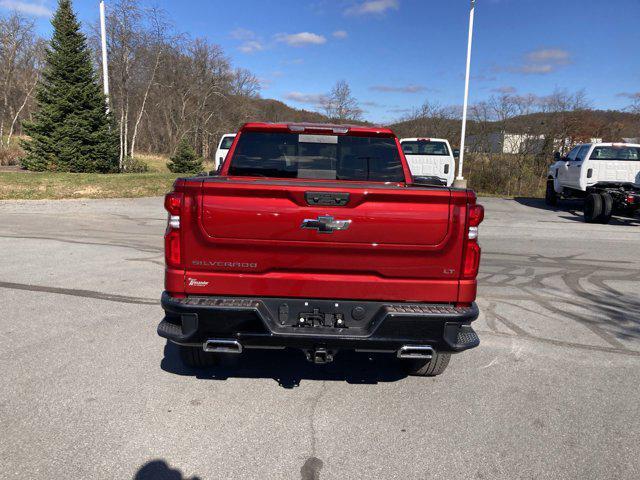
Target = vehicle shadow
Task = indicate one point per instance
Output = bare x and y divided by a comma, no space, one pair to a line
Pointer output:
574,207
289,367
160,470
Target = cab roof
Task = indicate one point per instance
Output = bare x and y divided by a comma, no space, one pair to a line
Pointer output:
318,128
427,139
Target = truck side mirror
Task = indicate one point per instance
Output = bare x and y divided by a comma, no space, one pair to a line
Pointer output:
456,153
556,156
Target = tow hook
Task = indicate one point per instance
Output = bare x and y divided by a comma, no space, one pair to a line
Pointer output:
319,356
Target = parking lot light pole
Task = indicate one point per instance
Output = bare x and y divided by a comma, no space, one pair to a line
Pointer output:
105,66
460,182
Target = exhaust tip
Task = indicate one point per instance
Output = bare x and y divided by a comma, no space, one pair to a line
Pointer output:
217,345
424,352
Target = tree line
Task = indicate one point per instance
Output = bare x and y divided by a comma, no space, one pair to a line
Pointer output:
167,87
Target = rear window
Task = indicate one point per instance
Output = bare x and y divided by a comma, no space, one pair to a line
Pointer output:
327,157
226,143
615,153
425,148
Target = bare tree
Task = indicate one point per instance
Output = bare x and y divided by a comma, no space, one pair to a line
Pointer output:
154,46
340,104
635,103
20,62
433,120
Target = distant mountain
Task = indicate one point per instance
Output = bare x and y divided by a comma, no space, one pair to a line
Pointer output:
269,110
611,125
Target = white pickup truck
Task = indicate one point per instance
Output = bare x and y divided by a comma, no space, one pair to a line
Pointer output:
431,158
223,148
605,175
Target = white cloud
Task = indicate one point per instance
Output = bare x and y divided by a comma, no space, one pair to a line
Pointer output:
340,34
38,9
549,55
251,43
300,39
535,68
506,90
412,88
242,34
251,46
631,95
373,7
542,61
316,99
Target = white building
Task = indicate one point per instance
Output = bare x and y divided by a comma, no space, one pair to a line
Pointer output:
499,142
518,143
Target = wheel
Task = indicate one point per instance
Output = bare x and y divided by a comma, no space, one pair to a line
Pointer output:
592,208
429,368
195,357
607,207
550,196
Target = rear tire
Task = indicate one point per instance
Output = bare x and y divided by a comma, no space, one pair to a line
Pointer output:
429,368
195,357
593,208
607,208
550,196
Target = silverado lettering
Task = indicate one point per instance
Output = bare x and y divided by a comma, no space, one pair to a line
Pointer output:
350,252
224,264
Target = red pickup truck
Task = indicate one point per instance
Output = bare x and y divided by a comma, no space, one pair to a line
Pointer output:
316,237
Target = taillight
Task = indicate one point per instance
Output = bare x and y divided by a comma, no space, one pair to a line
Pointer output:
471,260
471,248
172,250
173,203
476,215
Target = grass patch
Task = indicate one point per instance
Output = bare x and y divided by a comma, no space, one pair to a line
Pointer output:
158,163
46,185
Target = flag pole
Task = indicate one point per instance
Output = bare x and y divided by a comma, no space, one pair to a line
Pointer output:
460,181
105,65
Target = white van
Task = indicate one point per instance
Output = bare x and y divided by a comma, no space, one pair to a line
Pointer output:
223,148
430,157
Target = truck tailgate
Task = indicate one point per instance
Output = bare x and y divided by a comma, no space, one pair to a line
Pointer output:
402,243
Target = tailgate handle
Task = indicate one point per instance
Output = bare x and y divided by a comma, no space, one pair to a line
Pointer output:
335,199
325,224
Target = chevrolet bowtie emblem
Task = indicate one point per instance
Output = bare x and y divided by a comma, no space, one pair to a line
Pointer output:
325,224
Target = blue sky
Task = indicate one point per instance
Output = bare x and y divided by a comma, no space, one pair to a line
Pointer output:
396,54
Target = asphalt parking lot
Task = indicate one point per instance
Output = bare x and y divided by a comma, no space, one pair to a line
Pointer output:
90,391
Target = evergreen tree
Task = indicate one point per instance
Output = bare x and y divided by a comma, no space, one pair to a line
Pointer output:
71,131
185,159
